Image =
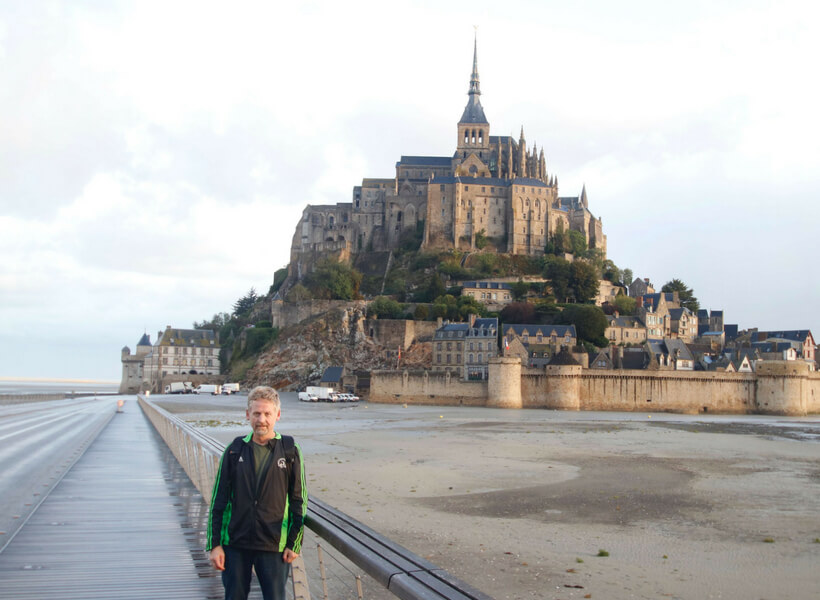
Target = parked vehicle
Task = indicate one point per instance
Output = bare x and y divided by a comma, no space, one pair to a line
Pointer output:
177,387
208,388
323,394
189,387
305,397
230,388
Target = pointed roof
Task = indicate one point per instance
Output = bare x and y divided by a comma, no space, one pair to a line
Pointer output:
145,340
473,112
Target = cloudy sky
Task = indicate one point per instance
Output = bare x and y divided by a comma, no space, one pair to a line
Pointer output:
155,157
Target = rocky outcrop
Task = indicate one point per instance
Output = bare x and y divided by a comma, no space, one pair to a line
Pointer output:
334,338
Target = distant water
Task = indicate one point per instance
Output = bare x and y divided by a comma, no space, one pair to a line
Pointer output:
27,386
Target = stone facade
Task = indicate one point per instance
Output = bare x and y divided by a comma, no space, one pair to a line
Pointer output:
495,187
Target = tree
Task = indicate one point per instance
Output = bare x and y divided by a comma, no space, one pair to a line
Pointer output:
421,313
583,281
611,272
481,239
217,322
298,293
686,295
334,281
517,313
558,241
244,305
577,242
557,270
589,320
626,277
519,289
624,304
435,288
385,308
279,277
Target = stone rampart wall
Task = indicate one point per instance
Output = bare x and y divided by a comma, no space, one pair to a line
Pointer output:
781,390
399,333
284,314
425,387
668,391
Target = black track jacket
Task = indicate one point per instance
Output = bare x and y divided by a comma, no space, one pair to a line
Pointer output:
270,518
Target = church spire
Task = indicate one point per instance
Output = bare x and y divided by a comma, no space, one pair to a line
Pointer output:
475,87
473,113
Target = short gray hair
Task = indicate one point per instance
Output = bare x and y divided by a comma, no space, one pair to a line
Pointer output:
264,393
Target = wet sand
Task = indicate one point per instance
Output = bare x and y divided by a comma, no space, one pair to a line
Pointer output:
521,503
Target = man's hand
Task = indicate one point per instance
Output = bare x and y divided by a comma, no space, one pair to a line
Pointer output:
217,558
289,555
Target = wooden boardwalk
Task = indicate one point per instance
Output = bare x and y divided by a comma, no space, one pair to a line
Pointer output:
124,522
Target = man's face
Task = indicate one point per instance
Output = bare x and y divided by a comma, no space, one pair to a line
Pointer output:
263,415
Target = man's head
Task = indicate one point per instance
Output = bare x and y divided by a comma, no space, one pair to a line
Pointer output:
263,412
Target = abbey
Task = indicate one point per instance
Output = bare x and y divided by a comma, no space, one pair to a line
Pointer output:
493,191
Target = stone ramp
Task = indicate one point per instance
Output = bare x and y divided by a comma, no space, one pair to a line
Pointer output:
125,522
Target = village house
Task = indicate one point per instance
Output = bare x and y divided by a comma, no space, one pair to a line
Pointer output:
540,342
625,330
683,324
466,348
495,295
800,339
672,353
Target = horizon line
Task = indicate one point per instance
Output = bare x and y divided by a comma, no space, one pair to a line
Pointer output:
55,380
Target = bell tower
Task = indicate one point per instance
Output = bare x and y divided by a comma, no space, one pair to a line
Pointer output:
473,128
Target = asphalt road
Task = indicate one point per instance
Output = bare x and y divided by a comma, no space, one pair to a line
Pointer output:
39,442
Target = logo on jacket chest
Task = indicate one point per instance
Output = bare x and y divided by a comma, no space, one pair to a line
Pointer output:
282,463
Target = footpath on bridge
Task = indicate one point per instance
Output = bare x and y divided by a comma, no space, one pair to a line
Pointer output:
125,522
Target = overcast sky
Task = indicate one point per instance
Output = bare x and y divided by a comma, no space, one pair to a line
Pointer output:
155,157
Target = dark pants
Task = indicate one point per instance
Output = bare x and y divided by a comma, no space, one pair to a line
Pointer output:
271,571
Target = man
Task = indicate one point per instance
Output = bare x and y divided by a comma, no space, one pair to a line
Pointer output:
258,504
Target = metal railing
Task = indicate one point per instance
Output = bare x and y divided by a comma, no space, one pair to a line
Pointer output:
401,572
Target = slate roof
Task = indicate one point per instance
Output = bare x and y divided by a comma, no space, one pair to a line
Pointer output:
487,285
474,180
797,335
676,313
145,340
546,330
624,321
332,375
634,359
673,344
426,161
564,357
188,337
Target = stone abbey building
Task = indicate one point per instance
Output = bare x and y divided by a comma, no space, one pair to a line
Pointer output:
493,188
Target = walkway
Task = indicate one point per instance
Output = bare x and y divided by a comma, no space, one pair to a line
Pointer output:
125,522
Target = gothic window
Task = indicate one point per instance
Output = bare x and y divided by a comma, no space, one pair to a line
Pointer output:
480,136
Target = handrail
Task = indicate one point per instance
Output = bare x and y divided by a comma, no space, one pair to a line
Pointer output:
403,573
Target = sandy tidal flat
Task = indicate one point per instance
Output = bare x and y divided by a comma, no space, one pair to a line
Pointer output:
525,503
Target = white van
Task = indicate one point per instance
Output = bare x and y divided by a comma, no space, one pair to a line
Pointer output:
230,388
207,388
305,397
